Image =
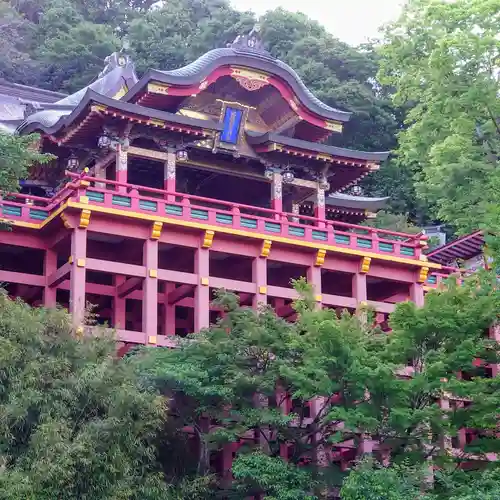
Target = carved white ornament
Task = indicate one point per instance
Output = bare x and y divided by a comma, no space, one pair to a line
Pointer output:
321,197
122,159
277,187
170,167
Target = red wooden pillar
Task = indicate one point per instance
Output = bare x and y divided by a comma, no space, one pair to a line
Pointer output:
202,292
150,291
168,311
495,335
417,294
77,280
359,289
169,173
277,192
121,166
119,305
259,277
50,266
314,279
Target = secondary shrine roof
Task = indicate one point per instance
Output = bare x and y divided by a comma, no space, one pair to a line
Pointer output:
118,75
465,247
106,106
270,138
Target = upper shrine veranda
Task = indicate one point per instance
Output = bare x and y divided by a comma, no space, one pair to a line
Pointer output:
234,132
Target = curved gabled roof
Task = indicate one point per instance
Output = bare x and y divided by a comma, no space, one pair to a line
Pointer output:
195,72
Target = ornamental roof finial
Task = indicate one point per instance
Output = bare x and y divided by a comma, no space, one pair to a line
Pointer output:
251,42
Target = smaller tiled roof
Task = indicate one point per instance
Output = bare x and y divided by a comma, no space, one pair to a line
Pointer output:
269,137
92,97
465,247
115,76
356,202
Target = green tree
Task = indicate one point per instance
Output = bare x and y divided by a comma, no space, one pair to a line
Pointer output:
16,34
74,420
231,381
17,155
441,58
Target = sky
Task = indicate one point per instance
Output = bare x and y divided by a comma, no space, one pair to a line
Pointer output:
353,21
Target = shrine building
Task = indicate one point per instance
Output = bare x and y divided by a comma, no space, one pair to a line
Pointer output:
167,187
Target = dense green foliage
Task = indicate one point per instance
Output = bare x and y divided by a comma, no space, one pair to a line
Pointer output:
215,377
442,60
74,422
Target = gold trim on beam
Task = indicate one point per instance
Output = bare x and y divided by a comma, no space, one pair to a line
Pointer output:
422,275
158,88
320,257
334,126
147,153
98,108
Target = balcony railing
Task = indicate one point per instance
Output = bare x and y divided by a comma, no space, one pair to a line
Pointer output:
236,216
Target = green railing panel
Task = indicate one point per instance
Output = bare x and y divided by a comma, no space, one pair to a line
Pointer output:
364,243
273,227
152,206
386,247
196,213
38,214
410,251
296,231
343,239
173,210
249,223
319,235
224,218
11,210
95,196
122,201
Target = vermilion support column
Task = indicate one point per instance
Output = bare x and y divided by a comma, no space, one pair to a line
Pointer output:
202,291
119,305
314,279
169,311
169,173
417,294
77,280
259,277
121,166
277,192
495,335
150,291
319,406
50,266
359,290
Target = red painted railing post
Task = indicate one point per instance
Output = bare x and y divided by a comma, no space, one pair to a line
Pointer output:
134,199
375,242
236,216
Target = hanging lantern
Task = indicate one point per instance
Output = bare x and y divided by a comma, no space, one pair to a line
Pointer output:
104,141
357,190
288,176
181,155
73,162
